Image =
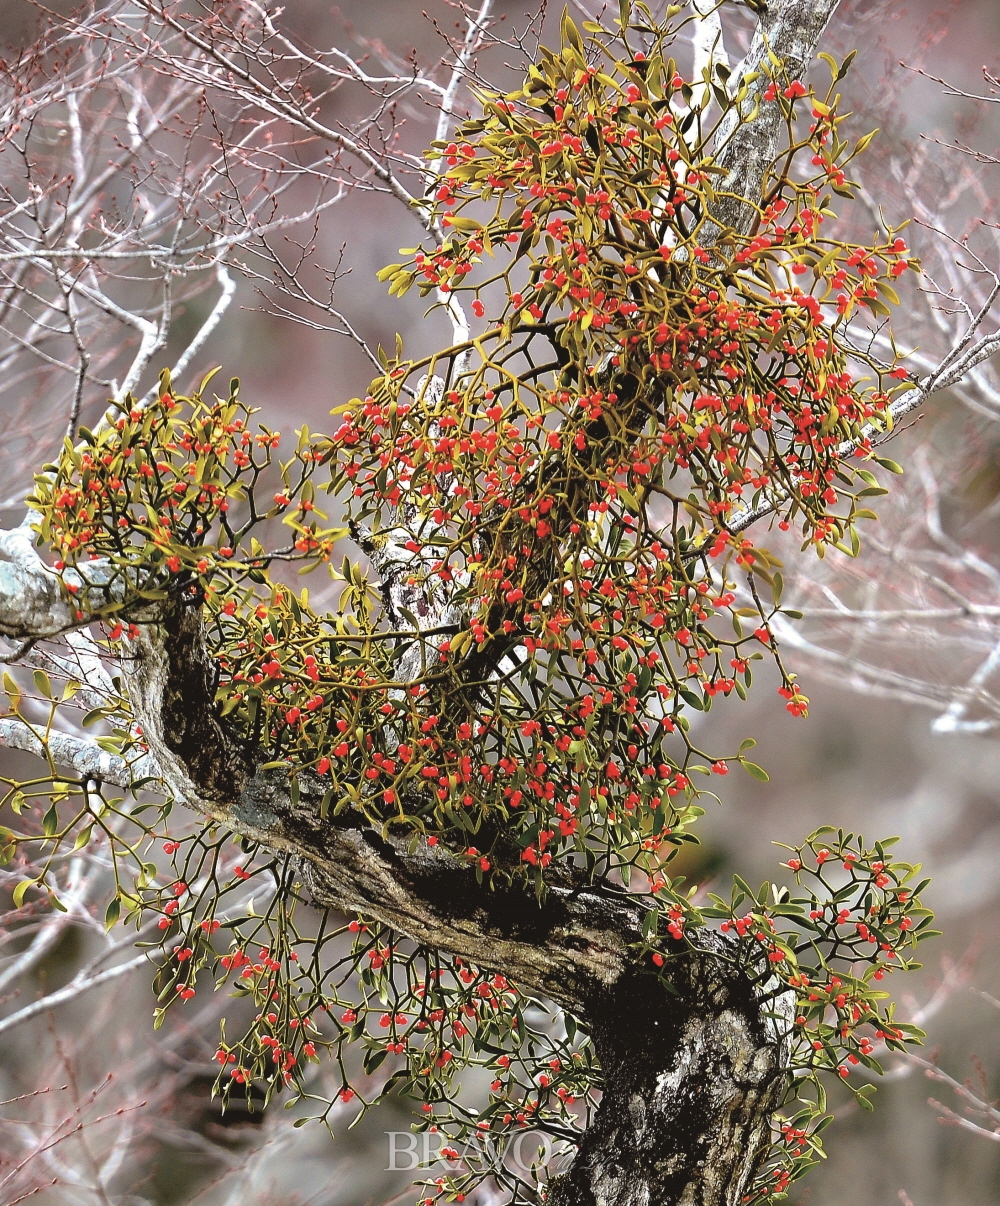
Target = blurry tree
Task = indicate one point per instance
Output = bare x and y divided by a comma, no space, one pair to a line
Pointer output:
476,762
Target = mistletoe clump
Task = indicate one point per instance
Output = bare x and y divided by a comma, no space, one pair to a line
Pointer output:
559,492
556,574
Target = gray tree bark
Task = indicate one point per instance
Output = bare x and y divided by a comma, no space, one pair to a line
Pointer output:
693,1079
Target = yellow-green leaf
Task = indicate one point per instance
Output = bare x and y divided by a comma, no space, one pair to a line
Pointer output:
19,891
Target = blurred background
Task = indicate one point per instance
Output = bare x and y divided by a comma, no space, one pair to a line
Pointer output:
897,650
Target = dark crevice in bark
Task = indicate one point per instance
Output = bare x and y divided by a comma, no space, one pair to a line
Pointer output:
693,1071
692,1075
171,684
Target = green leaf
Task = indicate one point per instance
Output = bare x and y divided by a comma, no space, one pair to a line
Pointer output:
755,771
50,822
373,1059
878,308
12,689
888,292
864,142
743,886
112,913
889,464
465,225
845,66
42,683
19,891
401,284
569,31
831,62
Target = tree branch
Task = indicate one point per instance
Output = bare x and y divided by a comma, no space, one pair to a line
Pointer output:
82,982
747,143
84,756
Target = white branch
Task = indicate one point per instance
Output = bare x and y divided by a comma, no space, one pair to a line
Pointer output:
81,983
903,613
953,720
79,753
873,680
228,285
475,28
33,601
243,85
709,49
950,371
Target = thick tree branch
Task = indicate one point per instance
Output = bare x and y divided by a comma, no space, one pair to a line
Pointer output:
33,601
748,140
692,1082
84,757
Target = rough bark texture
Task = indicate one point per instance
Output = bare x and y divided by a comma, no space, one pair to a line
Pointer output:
694,1071
693,1078
171,684
33,602
791,30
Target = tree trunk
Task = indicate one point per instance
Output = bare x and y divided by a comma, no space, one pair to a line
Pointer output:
692,1078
